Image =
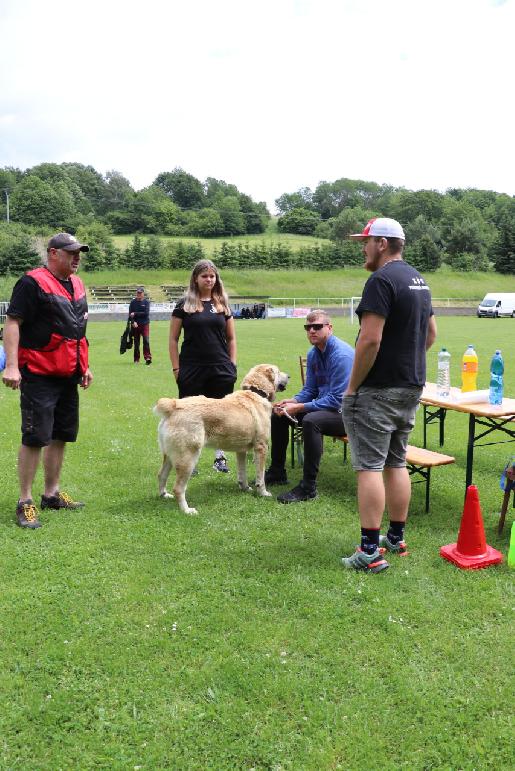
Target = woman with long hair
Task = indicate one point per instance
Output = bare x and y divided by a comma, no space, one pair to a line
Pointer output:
206,365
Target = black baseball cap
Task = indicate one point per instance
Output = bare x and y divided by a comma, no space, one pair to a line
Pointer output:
67,242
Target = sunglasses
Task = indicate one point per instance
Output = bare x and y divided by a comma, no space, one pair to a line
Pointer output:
315,327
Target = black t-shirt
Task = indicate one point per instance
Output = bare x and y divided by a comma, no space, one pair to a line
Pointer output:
24,298
205,340
24,304
399,294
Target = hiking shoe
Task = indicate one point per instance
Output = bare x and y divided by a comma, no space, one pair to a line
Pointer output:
399,548
27,515
298,493
220,464
370,563
273,477
60,501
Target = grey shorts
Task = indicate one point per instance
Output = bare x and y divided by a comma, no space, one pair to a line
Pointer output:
379,422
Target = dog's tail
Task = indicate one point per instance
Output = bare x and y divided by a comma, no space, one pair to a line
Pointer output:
164,407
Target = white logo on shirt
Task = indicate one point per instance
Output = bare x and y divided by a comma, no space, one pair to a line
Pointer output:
212,309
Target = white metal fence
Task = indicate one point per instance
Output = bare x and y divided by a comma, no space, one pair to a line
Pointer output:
124,307
283,307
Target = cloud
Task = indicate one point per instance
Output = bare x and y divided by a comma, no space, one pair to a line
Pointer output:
270,96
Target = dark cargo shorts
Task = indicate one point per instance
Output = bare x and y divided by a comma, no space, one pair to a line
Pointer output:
379,422
49,410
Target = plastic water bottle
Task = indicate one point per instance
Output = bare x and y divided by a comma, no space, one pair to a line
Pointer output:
443,379
496,379
469,367
2,358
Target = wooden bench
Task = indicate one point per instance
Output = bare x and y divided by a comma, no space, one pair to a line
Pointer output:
419,462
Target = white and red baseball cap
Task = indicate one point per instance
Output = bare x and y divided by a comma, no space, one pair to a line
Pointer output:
380,226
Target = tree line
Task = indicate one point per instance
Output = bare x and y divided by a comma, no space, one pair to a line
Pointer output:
469,229
21,250
68,195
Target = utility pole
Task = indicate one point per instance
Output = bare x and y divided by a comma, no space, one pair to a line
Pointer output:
6,191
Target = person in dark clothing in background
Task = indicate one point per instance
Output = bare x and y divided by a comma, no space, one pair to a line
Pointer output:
139,316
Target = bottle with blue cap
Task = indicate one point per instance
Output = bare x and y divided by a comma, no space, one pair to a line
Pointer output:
496,378
2,358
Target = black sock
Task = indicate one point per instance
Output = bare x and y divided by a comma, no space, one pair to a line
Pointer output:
369,540
396,531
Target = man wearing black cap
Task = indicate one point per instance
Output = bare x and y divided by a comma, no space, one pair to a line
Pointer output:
47,357
139,316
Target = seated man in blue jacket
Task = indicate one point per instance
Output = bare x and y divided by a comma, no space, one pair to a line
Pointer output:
318,407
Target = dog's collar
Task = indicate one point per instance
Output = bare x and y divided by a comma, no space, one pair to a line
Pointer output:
257,391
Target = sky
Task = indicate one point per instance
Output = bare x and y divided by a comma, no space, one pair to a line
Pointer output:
269,95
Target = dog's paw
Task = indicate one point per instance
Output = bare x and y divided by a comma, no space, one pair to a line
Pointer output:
189,511
166,495
263,493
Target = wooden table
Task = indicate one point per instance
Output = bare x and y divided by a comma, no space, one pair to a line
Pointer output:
484,418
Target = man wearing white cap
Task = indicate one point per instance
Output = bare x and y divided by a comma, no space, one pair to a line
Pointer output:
397,326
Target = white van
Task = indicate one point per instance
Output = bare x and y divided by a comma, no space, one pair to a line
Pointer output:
497,304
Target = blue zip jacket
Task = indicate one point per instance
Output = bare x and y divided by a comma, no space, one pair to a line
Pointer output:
327,376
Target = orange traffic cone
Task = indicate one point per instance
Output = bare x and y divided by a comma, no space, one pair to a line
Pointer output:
472,550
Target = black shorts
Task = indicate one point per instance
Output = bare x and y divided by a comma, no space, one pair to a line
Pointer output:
49,410
215,381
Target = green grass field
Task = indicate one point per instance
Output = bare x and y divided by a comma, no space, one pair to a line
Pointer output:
308,284
134,637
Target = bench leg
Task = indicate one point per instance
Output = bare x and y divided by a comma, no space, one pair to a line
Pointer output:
428,483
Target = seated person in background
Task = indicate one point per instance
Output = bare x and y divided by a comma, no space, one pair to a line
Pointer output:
317,407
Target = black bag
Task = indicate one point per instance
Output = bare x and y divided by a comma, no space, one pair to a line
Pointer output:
126,338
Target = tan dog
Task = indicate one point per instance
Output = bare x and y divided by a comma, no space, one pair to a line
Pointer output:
240,422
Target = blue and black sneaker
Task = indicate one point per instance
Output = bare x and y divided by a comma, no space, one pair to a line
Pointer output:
399,548
370,563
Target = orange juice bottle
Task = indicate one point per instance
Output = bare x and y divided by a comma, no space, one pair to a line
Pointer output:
469,366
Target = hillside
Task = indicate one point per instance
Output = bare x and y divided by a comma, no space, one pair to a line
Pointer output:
309,284
209,245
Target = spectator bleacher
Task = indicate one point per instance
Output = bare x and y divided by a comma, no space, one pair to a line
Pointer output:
173,291
120,293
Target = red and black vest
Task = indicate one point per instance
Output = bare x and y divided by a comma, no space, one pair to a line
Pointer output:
64,353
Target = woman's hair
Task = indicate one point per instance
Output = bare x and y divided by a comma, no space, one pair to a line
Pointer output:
192,302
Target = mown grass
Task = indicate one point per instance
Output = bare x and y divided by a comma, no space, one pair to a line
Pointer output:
136,637
271,234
